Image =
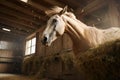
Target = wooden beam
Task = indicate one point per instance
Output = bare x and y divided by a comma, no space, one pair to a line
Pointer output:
17,15
18,32
18,21
27,6
6,9
21,9
13,35
17,7
15,25
36,5
14,30
43,3
38,13
96,4
71,3
23,21
55,3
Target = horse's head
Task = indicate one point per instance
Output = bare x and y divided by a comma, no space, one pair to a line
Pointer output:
55,27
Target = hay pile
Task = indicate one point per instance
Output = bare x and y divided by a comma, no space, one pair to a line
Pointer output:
101,63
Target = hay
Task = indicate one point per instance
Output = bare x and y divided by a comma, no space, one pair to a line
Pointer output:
101,63
14,77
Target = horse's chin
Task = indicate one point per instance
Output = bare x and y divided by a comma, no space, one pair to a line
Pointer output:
48,44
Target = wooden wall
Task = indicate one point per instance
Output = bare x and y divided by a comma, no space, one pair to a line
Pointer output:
11,53
104,17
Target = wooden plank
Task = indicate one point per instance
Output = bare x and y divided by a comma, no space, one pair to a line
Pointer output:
16,33
40,49
55,3
11,52
113,14
67,43
14,30
23,10
57,45
43,3
90,8
71,3
14,20
37,42
20,3
38,13
15,25
6,68
5,10
49,50
36,5
17,13
21,21
5,35
16,7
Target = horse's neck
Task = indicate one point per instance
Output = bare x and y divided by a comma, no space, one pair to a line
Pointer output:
75,30
83,37
75,26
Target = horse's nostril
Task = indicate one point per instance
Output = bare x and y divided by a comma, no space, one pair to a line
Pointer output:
45,39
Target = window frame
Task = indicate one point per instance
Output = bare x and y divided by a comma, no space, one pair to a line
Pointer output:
28,49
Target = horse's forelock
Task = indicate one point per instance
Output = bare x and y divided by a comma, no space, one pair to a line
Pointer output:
53,10
56,10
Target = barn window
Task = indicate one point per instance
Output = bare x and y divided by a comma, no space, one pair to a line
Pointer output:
30,46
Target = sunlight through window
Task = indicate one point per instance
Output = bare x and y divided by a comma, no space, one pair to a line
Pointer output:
30,46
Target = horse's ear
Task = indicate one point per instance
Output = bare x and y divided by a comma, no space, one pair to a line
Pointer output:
64,10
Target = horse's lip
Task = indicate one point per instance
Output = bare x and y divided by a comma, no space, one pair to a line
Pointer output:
48,44
43,42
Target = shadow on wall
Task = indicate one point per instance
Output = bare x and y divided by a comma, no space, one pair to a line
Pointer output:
101,63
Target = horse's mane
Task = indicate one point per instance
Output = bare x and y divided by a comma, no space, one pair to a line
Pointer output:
55,10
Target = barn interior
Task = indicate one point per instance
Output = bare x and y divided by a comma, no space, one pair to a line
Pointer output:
22,23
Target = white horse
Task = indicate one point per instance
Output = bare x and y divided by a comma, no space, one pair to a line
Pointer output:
83,36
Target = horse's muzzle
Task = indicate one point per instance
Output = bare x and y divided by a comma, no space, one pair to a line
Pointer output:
44,41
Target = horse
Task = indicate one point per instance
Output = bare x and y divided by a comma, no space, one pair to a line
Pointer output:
83,37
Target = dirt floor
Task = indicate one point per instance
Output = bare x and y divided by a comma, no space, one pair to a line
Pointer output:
4,76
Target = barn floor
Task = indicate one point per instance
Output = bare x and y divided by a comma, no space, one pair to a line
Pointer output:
4,76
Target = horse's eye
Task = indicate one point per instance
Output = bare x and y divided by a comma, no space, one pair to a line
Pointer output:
54,20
